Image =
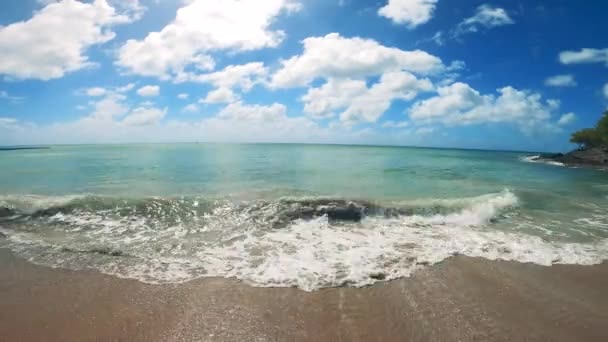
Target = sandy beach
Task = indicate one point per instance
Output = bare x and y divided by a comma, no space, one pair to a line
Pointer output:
461,299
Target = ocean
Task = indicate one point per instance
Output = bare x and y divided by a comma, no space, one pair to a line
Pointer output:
290,215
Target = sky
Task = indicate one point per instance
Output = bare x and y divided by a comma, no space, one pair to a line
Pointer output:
490,74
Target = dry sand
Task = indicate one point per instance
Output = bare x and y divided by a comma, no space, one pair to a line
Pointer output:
462,299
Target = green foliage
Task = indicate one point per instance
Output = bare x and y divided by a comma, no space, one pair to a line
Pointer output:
591,137
587,137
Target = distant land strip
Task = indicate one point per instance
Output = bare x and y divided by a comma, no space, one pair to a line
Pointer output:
15,148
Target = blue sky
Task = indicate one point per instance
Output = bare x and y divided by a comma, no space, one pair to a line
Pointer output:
490,74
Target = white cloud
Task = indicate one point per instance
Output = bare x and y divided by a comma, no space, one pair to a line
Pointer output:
360,103
438,38
459,104
240,112
113,109
409,12
322,102
103,91
191,108
125,88
54,41
144,116
560,81
220,95
238,122
183,96
110,107
606,90
395,124
148,91
132,8
243,77
8,122
4,95
200,28
566,119
95,91
333,56
485,16
584,56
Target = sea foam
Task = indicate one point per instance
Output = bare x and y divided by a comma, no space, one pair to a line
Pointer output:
169,241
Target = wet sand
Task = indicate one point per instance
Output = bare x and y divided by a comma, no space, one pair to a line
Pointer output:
462,299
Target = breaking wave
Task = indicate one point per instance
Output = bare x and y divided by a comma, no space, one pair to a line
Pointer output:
539,160
306,242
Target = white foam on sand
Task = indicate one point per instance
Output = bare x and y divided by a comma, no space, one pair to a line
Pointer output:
308,254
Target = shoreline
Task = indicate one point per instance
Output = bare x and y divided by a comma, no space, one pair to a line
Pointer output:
459,299
591,157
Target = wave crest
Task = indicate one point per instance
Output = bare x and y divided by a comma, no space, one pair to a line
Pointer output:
309,243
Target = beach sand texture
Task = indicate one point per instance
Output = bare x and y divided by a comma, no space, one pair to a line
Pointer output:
461,299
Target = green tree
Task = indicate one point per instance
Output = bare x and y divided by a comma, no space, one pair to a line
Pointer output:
591,137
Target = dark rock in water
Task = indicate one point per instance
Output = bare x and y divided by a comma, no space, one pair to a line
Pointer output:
2,235
106,251
349,213
334,209
378,276
5,212
592,156
100,250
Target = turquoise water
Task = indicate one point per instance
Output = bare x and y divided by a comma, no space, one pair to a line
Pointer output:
282,214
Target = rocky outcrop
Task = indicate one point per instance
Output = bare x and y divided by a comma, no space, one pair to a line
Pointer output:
5,212
592,156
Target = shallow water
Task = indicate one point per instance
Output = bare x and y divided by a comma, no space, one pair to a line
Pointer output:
310,216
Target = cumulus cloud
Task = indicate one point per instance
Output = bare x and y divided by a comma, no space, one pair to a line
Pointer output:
358,102
191,108
144,116
334,56
220,95
111,119
459,104
54,41
560,81
242,77
409,12
566,119
240,112
606,91
110,107
486,16
148,91
103,91
584,56
95,91
238,122
183,96
245,76
200,28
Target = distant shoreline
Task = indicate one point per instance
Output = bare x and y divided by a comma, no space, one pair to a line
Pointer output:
16,148
279,143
